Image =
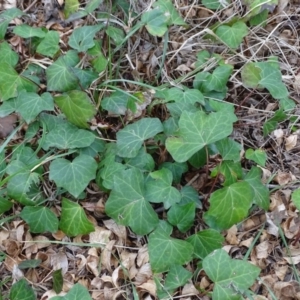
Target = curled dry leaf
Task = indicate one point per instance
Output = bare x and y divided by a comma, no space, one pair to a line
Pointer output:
283,178
100,236
60,261
92,264
263,249
7,125
291,142
278,135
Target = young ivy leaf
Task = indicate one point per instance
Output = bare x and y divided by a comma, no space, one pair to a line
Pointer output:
7,55
77,107
73,176
22,290
127,204
131,138
196,131
259,156
231,276
73,220
49,45
25,31
77,292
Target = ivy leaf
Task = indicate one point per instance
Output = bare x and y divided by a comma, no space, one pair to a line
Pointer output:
49,45
127,204
232,171
85,77
251,75
260,191
143,161
5,17
259,156
116,34
296,198
68,136
58,281
176,168
29,263
60,76
29,105
73,176
205,242
238,197
165,251
5,205
77,292
189,194
77,107
218,79
229,275
156,21
116,103
7,55
109,171
232,35
73,220
40,219
21,290
26,31
131,138
182,216
82,38
159,188
229,149
196,131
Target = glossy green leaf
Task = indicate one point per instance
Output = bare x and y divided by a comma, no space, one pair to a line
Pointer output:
116,103
218,79
29,105
5,17
107,173
5,205
26,31
21,290
182,216
196,131
73,220
73,176
77,107
205,242
229,205
93,150
49,45
229,149
85,77
7,55
58,281
259,156
77,292
176,168
143,161
60,76
232,35
231,277
40,219
261,194
30,263
82,38
232,171
68,136
127,204
159,188
8,107
131,138
296,198
188,195
165,251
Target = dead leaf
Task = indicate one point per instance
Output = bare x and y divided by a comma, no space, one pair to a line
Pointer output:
7,125
291,142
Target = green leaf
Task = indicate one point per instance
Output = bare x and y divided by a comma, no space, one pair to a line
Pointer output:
92,5
259,156
232,171
156,21
116,103
77,292
26,31
73,176
98,146
85,77
39,219
5,205
261,194
82,38
11,82
229,149
127,204
68,136
58,281
213,4
73,220
71,6
77,107
60,76
29,263
165,251
49,45
8,107
21,290
230,277
107,173
218,79
188,195
7,55
182,216
131,138
251,75
176,168
196,131
143,161
29,105
296,198
229,205
232,35
205,242
5,17
116,34
159,188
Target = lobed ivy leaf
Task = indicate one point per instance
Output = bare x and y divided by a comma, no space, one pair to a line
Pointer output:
5,17
82,38
176,168
259,156
232,35
77,107
196,131
232,171
116,34
127,204
49,45
231,277
73,176
205,242
229,149
251,75
116,103
143,161
131,138
26,31
73,220
77,292
229,205
29,105
7,55
40,219
29,263
21,290
165,251
188,195
85,77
